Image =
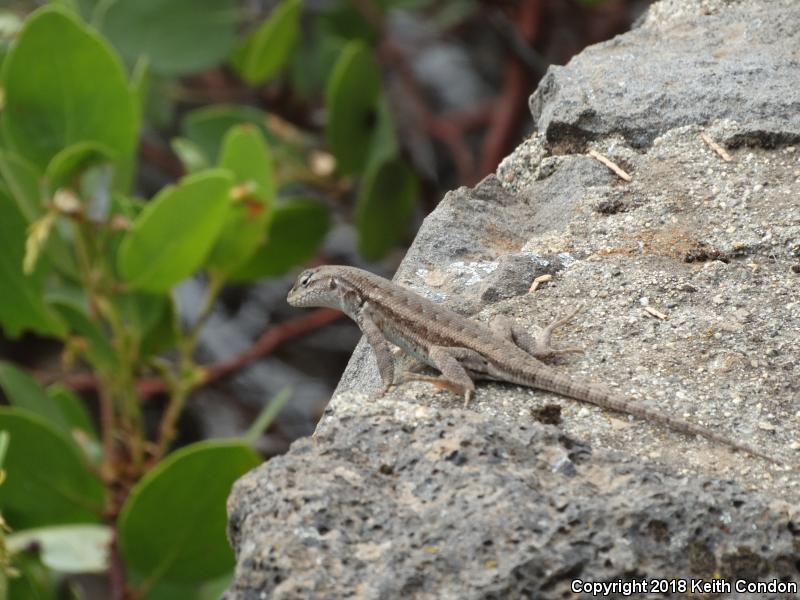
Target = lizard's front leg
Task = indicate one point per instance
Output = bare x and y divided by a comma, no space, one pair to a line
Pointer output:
378,342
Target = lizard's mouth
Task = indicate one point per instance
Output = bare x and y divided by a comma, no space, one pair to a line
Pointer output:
295,297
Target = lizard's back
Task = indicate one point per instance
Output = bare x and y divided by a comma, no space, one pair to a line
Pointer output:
401,314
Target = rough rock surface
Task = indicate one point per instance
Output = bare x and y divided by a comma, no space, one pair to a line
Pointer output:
690,276
689,62
403,500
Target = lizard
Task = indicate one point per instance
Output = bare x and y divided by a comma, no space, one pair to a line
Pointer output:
463,349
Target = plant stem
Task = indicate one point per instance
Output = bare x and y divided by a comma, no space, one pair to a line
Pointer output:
107,431
189,376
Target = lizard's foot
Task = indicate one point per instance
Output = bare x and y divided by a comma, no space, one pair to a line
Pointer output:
467,397
442,383
539,346
386,388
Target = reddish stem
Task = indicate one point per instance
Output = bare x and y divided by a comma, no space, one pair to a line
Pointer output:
269,340
512,102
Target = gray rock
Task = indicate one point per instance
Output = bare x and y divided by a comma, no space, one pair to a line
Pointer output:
689,63
403,500
413,495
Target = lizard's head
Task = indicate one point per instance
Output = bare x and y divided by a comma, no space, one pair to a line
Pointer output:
316,287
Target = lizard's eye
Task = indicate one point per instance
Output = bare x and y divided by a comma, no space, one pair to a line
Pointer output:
304,279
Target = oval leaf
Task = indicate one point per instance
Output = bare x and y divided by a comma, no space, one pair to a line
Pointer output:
352,102
68,164
207,126
173,234
177,36
295,233
384,207
190,154
35,581
23,391
383,145
73,408
23,179
245,153
21,305
99,350
48,482
81,427
312,62
172,526
269,46
77,91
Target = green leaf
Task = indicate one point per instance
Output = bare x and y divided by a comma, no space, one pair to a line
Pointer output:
312,62
150,318
142,311
77,91
245,153
162,335
68,164
48,481
73,408
23,391
4,439
158,97
212,589
346,21
190,154
172,526
84,8
141,80
352,99
268,48
177,36
57,405
383,145
127,207
23,179
21,305
68,548
215,588
295,233
36,582
82,430
100,352
267,415
174,233
208,125
384,206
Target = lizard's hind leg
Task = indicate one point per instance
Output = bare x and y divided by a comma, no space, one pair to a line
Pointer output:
539,346
454,376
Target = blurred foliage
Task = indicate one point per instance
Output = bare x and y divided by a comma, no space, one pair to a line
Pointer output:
87,261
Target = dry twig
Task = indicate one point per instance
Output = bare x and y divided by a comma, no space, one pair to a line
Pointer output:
539,281
610,164
715,146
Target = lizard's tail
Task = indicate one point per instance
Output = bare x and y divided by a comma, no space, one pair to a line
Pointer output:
553,381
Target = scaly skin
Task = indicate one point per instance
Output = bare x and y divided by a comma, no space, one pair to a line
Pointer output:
460,348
